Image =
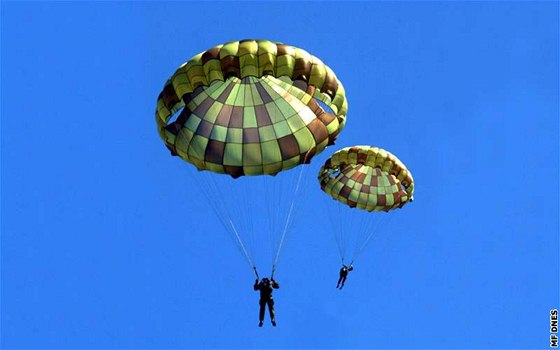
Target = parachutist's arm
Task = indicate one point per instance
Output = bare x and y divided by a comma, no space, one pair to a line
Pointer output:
256,285
275,285
350,268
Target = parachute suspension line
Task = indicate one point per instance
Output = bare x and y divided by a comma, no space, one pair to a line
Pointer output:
279,207
221,200
274,228
336,226
247,197
383,221
215,199
363,222
289,217
343,230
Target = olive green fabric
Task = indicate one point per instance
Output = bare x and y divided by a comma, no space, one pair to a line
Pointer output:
249,108
368,178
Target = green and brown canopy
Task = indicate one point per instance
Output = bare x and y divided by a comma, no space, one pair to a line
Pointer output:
368,178
251,107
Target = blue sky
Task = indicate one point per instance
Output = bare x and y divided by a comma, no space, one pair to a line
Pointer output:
106,243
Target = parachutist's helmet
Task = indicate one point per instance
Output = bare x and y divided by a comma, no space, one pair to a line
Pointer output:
265,280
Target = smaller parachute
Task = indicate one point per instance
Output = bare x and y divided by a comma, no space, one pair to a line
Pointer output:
368,178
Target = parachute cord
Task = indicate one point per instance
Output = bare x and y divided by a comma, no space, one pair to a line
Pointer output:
212,191
289,217
256,273
372,233
241,244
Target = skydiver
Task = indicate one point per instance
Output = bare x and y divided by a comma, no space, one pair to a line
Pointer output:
265,287
343,273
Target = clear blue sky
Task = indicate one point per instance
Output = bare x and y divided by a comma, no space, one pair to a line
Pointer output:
106,243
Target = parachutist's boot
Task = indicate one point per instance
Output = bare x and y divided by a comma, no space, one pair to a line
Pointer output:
273,322
260,323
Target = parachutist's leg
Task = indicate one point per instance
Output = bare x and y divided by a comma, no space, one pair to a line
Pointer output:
343,280
339,280
262,304
271,311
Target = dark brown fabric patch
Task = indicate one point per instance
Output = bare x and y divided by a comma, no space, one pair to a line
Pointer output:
215,152
318,130
288,146
345,191
169,96
204,129
314,107
174,128
263,119
251,135
326,118
225,94
362,157
202,108
302,69
359,177
343,179
236,119
397,198
281,49
187,98
305,158
224,115
183,116
330,86
381,200
234,171
264,95
230,66
212,54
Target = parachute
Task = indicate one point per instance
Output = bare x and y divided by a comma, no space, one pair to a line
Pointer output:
367,178
248,108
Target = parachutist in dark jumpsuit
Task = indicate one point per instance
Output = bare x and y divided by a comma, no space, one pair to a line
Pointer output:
265,287
343,273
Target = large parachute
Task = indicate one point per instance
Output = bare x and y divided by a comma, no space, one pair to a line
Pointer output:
367,178
251,107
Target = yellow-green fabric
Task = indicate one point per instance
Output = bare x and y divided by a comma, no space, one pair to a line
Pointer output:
250,107
368,178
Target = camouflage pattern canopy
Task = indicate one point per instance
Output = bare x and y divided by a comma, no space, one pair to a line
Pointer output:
368,178
249,108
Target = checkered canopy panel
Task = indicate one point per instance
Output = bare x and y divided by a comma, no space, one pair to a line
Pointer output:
368,178
250,108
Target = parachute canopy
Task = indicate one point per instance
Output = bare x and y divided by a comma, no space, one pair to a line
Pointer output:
368,178
249,108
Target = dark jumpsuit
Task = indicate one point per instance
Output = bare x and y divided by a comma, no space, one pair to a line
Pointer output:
343,274
266,297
